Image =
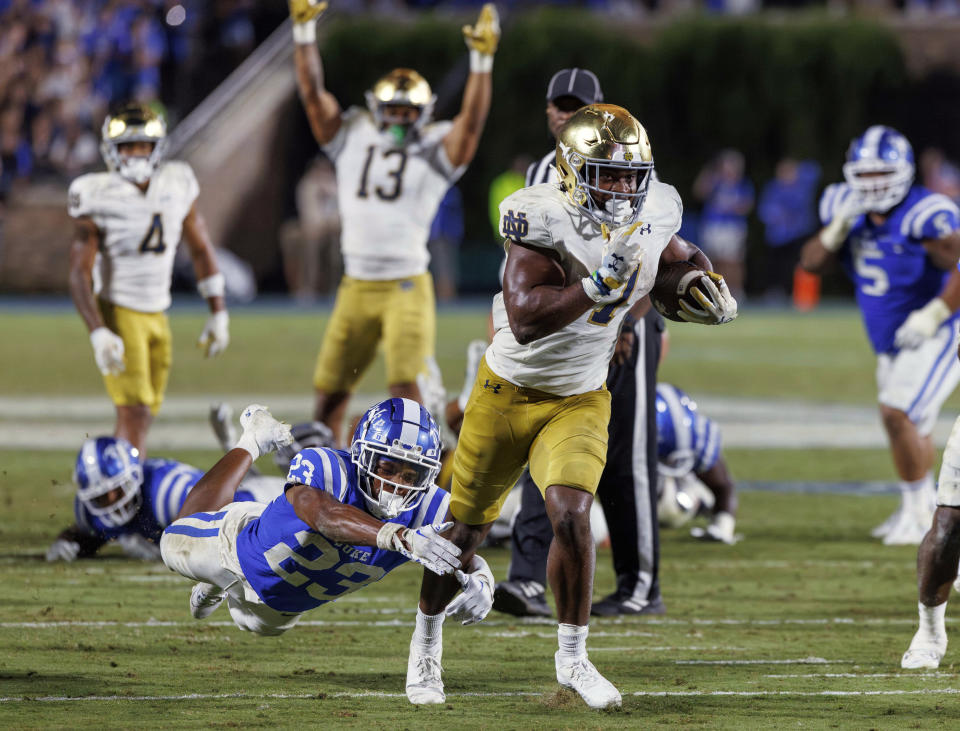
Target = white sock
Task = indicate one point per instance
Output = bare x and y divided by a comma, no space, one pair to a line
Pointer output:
573,640
248,443
428,633
915,495
932,620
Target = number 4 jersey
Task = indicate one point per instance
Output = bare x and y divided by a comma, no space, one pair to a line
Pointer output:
294,568
888,263
388,195
140,230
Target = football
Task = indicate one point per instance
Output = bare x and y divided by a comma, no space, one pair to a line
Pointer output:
672,286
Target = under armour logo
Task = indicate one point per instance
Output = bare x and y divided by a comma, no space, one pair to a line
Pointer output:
495,387
615,261
645,229
515,226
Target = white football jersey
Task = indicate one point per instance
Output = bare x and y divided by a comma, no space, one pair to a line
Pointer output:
388,195
141,231
574,359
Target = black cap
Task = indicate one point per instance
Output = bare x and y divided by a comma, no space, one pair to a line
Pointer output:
578,83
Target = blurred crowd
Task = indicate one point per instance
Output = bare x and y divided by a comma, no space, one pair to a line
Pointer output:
64,62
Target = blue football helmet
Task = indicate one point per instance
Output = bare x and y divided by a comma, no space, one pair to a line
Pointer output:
396,448
880,168
108,475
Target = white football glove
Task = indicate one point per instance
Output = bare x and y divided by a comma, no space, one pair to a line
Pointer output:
216,334
845,215
63,550
476,598
422,545
921,324
136,546
717,305
107,351
621,255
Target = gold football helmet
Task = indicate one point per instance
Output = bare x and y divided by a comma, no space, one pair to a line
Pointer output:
596,138
401,88
133,123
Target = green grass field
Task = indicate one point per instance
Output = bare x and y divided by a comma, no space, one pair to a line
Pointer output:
802,624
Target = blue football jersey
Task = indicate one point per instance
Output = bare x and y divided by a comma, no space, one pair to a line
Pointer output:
166,483
686,439
294,568
888,264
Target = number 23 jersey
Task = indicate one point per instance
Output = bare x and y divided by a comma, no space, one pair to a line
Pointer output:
140,229
575,358
294,568
388,195
888,263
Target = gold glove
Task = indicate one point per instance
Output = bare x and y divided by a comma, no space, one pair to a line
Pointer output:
305,11
484,35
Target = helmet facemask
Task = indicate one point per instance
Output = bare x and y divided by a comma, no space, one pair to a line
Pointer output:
133,124
94,488
400,88
393,479
596,140
881,184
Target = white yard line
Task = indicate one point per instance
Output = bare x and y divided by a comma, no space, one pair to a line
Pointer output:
50,422
859,676
796,661
517,694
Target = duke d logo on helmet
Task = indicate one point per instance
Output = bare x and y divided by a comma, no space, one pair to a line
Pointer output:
514,226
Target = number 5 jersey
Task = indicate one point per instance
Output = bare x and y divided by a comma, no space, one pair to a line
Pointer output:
140,230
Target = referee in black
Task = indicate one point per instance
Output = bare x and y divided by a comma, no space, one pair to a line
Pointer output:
628,485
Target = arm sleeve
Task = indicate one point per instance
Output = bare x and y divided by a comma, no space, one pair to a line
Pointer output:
322,468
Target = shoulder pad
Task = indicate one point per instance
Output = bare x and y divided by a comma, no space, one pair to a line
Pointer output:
83,196
524,214
322,468
930,216
663,206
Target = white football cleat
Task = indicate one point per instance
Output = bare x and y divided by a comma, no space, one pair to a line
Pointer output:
925,652
221,421
432,392
204,600
580,675
424,684
475,351
260,427
720,530
910,529
881,530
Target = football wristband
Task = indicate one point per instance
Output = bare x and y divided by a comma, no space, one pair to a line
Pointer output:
386,535
480,63
213,286
305,33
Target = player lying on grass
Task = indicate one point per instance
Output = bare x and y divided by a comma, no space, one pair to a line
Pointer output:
345,520
122,497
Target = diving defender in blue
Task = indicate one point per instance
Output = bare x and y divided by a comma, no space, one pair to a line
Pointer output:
345,520
899,243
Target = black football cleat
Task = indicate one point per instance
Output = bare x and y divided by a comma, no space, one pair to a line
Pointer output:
616,605
521,599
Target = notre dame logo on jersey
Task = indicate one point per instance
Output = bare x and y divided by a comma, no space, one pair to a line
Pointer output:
514,226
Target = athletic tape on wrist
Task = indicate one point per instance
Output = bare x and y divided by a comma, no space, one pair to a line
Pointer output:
213,286
480,63
305,33
385,535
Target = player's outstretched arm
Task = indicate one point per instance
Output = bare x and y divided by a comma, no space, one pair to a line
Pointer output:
74,543
482,39
210,283
108,347
322,107
346,524
821,248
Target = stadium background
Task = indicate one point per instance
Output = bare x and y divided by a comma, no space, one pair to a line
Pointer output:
802,623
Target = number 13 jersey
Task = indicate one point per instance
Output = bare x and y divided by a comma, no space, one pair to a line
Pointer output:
388,195
140,230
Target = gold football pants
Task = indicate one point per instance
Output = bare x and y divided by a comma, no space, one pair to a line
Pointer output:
401,312
147,354
564,438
